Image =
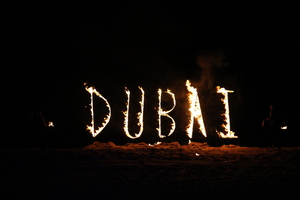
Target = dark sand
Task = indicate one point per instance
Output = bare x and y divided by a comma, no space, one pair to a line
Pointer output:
140,171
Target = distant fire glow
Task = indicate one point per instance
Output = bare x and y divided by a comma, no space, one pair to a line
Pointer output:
284,128
140,115
50,124
193,111
162,112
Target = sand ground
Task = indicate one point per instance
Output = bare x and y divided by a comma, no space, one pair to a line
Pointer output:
141,171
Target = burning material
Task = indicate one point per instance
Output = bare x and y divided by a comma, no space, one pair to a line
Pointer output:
140,115
229,133
195,110
91,127
165,113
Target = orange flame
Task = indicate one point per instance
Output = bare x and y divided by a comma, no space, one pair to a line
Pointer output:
195,110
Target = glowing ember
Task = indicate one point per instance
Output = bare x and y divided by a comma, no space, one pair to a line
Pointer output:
225,92
165,113
91,127
195,110
139,115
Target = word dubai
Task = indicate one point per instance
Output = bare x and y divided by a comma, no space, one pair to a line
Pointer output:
194,110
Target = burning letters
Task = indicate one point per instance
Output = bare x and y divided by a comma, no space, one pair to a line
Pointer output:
195,113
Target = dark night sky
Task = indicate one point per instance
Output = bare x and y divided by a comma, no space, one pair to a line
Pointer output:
51,50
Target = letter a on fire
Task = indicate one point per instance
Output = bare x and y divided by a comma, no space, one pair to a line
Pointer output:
195,110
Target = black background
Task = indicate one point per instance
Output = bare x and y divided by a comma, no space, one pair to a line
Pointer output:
52,49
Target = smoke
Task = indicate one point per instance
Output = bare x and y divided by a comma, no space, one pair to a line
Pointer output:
209,61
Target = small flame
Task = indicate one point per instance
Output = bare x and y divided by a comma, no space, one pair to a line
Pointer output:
140,115
165,113
50,124
156,143
228,135
195,110
91,127
284,128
